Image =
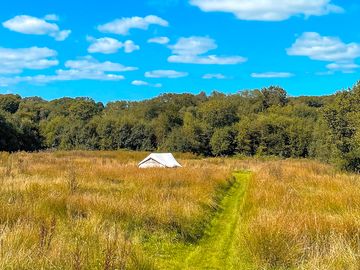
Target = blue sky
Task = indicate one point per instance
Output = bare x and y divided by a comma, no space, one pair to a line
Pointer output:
132,50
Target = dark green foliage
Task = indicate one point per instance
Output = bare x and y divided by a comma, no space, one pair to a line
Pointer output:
8,135
219,111
342,117
223,141
257,122
273,96
9,103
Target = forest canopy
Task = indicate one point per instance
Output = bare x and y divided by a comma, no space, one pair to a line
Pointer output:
264,122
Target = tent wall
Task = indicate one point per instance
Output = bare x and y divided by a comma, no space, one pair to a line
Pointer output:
151,164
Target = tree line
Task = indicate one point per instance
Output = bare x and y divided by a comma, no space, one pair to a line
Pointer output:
261,122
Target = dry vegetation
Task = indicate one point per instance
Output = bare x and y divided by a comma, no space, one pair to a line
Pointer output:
93,210
97,210
303,215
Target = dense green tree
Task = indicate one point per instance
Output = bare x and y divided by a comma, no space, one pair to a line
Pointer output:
106,129
30,137
142,137
223,142
274,96
248,137
342,117
253,122
8,134
218,111
10,103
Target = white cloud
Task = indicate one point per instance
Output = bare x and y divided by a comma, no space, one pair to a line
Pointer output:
214,76
130,46
104,45
109,45
191,50
172,74
322,48
86,68
193,46
143,83
343,67
206,60
267,75
268,10
124,25
328,49
139,83
35,26
77,74
6,81
62,75
90,63
14,61
51,17
159,40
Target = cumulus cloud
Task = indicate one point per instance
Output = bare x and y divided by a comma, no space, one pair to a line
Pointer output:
172,74
139,83
323,48
78,74
130,46
86,68
193,46
343,67
62,75
35,26
109,45
191,50
218,76
124,25
267,75
268,10
14,61
328,49
104,45
90,63
143,83
159,40
51,17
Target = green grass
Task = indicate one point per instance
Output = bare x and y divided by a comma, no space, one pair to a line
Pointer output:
220,248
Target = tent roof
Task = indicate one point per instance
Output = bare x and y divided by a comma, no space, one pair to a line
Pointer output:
166,159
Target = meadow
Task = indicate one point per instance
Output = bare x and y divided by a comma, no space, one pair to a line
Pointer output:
97,210
303,215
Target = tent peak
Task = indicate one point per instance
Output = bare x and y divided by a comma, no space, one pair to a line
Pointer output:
162,160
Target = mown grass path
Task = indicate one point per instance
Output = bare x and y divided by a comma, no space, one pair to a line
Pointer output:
220,248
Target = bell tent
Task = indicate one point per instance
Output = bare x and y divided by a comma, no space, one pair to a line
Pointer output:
159,160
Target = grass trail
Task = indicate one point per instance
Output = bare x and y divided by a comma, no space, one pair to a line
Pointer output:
220,247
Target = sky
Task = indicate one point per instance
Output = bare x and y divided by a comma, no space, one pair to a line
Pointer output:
133,50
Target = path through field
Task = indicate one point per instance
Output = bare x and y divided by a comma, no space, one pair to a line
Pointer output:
220,249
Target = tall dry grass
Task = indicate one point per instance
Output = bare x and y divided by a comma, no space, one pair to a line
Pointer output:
97,210
94,210
303,215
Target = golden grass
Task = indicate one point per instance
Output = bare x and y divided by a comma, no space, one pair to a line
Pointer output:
97,210
92,210
304,215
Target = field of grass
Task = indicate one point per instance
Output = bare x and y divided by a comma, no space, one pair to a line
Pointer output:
92,210
303,215
97,210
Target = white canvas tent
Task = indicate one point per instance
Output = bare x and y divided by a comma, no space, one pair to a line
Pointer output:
159,160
